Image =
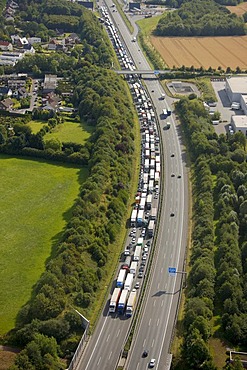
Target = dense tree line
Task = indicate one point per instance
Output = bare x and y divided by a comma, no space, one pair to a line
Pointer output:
200,18
178,3
217,279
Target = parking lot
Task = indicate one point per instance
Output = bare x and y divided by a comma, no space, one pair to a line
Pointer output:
224,107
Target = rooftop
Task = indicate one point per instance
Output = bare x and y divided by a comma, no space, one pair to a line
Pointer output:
238,84
240,121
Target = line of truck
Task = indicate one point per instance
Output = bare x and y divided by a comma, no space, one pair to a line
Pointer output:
122,297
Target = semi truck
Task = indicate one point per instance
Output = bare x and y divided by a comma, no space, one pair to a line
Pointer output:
131,304
133,267
151,228
165,112
149,200
122,301
133,217
137,253
127,263
129,281
121,278
139,241
114,300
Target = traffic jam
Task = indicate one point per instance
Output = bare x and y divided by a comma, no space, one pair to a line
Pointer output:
144,212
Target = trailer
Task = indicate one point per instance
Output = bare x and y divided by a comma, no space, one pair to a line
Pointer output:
129,281
153,213
121,278
150,189
131,304
114,300
133,267
137,253
151,174
164,112
151,228
149,200
133,217
143,202
140,241
126,264
122,301
156,178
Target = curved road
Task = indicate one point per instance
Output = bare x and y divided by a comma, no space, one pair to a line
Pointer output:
156,323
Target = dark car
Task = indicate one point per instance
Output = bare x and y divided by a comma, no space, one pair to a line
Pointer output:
172,214
172,155
145,353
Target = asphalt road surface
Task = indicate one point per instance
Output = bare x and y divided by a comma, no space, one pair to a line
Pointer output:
159,309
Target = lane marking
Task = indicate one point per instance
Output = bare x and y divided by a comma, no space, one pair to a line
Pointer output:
118,332
108,338
98,361
149,322
158,321
152,343
162,302
110,356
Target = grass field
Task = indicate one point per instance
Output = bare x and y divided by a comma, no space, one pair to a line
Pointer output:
207,52
71,131
35,204
36,126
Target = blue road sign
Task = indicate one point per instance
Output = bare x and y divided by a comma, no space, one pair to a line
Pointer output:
172,270
156,72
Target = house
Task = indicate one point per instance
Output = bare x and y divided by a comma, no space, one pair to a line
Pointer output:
34,40
72,39
16,83
10,58
50,83
6,46
20,93
5,91
6,104
52,45
28,49
19,41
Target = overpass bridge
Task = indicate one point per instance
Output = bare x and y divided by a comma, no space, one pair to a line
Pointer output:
142,72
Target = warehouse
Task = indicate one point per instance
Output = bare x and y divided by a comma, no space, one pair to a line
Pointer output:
235,87
239,123
243,103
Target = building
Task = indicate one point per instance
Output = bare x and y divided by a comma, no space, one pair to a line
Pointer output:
6,104
6,46
34,40
235,87
87,4
243,103
8,58
239,123
134,6
50,83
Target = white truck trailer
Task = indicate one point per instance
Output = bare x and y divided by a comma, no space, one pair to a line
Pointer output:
137,253
129,281
122,301
131,304
133,267
114,300
121,278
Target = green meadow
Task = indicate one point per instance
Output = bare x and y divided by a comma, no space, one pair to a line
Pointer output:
35,204
71,131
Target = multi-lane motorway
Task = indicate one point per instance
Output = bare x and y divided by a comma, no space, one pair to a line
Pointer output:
156,323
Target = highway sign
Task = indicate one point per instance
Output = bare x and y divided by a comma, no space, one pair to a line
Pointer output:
172,270
156,72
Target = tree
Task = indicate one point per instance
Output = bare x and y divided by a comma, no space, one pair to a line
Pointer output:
54,144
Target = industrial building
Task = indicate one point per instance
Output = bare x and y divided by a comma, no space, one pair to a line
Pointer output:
239,123
235,87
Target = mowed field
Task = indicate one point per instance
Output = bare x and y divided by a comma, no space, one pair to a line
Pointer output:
239,9
230,51
35,204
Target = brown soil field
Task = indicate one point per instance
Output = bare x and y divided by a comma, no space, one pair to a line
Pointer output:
229,51
239,9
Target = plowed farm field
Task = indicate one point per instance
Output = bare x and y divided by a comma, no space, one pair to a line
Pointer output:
203,51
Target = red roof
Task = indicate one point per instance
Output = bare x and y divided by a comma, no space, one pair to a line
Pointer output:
4,43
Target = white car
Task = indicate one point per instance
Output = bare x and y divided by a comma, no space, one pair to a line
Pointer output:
152,362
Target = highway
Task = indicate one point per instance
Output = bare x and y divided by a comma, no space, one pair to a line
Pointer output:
156,323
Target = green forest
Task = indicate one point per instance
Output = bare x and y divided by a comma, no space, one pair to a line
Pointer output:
217,280
200,18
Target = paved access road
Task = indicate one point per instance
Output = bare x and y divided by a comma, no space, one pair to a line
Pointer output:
156,324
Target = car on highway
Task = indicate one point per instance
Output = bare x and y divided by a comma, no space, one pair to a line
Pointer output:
145,353
172,175
137,285
172,155
152,363
172,214
145,249
179,176
140,275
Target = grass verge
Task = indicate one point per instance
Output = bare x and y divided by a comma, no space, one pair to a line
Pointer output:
35,206
206,88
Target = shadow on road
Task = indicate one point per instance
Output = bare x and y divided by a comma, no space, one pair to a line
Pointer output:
161,292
